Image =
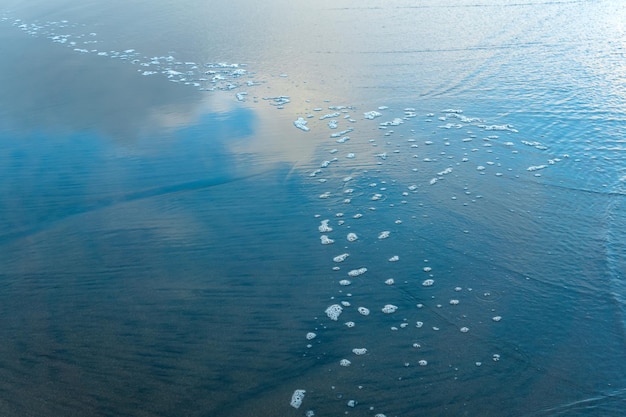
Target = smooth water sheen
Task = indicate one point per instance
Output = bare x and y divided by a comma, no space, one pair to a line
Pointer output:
325,208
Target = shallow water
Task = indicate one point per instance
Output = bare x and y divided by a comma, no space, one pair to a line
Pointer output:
160,234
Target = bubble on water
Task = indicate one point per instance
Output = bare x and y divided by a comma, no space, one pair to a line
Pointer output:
351,403
496,318
300,123
390,281
326,240
363,311
394,258
350,324
372,114
310,336
384,235
329,116
359,351
297,397
427,269
428,282
351,237
464,329
423,362
419,324
417,345
334,311
536,167
341,258
345,282
454,302
389,308
324,227
357,272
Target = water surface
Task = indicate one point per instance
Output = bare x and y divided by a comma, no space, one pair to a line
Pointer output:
160,234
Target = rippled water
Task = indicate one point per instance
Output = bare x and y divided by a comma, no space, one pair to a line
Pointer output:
170,240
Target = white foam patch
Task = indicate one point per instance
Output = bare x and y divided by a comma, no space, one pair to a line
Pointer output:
300,123
363,311
334,311
359,351
326,240
310,336
351,237
341,258
371,115
324,227
357,272
389,308
297,397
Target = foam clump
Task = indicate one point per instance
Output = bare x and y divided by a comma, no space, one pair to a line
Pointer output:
297,397
395,122
536,167
359,351
389,308
499,127
352,237
390,281
345,362
301,124
324,227
326,240
357,272
428,282
371,115
310,336
345,282
329,116
341,258
384,235
334,311
363,311
394,258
